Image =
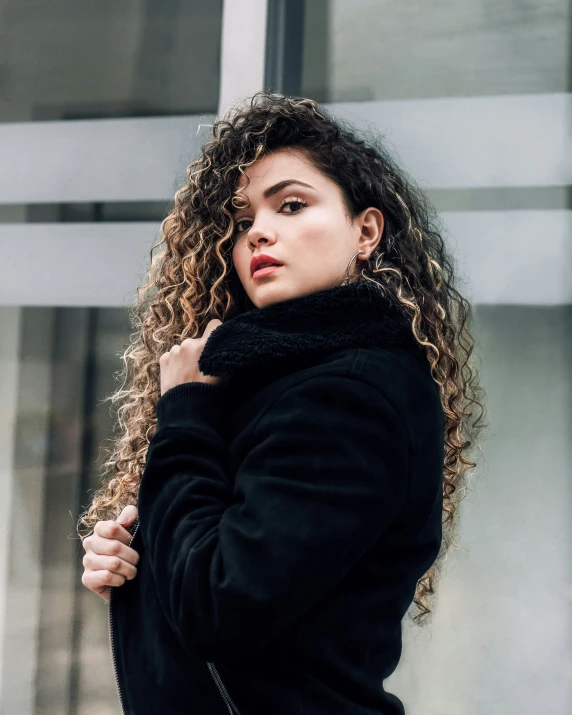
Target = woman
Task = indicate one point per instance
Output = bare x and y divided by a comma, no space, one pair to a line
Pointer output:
294,427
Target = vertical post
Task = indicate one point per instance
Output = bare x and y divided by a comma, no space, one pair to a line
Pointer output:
243,50
10,319
284,46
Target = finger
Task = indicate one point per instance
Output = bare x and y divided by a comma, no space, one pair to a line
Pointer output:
96,562
112,530
128,515
103,592
112,547
97,580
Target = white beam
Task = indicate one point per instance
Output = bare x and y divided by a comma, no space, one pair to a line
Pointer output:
475,142
467,142
243,50
515,257
97,160
74,264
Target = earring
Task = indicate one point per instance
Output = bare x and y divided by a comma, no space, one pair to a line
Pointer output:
347,278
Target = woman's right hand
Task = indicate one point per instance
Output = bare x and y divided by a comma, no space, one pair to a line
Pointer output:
109,560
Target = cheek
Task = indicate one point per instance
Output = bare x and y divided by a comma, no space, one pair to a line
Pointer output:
321,231
322,221
239,260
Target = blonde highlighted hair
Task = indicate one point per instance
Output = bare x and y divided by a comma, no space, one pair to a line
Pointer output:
191,280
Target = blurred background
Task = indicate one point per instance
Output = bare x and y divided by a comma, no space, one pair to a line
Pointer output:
102,107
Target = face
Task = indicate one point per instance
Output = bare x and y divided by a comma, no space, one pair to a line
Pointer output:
302,225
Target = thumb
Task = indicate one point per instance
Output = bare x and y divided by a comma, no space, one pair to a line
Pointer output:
212,325
128,515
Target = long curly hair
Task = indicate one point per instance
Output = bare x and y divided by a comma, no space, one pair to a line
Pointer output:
191,280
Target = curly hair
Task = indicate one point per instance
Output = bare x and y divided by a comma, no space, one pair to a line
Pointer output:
191,280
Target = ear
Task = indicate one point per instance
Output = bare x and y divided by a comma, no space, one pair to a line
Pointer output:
371,223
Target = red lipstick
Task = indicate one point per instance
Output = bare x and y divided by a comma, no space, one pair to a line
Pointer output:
258,265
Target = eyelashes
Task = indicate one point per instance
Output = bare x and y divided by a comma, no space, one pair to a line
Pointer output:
286,202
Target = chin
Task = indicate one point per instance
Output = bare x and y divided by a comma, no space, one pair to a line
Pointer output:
262,301
276,294
264,295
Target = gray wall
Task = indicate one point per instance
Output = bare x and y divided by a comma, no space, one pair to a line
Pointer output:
100,112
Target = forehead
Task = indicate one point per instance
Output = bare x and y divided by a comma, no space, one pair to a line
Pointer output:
279,165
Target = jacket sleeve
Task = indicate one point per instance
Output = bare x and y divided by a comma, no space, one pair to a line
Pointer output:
237,561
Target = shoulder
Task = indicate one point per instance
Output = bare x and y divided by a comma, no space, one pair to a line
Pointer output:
405,379
396,383
333,392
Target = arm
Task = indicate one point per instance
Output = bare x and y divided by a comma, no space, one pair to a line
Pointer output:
235,568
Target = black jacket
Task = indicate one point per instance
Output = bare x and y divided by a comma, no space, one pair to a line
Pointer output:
286,515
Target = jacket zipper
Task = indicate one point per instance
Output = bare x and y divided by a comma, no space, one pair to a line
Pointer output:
232,709
111,641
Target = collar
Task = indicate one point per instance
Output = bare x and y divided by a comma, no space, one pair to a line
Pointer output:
357,315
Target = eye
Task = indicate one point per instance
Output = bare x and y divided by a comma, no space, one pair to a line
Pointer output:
236,226
286,202
289,202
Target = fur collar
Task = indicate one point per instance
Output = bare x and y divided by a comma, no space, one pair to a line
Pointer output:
357,315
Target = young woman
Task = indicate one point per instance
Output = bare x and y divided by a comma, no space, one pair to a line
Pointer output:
294,427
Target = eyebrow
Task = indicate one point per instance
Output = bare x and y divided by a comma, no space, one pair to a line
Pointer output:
275,188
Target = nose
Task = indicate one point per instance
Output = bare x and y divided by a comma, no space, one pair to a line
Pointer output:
259,234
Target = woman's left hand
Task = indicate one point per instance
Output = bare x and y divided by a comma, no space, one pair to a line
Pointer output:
181,363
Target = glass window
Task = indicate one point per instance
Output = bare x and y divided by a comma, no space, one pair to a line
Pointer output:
61,364
77,60
358,50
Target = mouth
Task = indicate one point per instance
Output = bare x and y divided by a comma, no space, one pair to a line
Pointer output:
266,271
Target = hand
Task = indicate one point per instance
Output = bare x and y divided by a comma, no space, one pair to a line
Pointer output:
181,363
108,560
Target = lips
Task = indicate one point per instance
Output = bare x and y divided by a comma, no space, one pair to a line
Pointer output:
265,270
258,261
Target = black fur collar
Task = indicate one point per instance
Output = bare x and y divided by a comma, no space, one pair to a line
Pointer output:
357,315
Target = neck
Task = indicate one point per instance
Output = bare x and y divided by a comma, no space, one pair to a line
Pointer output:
357,315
